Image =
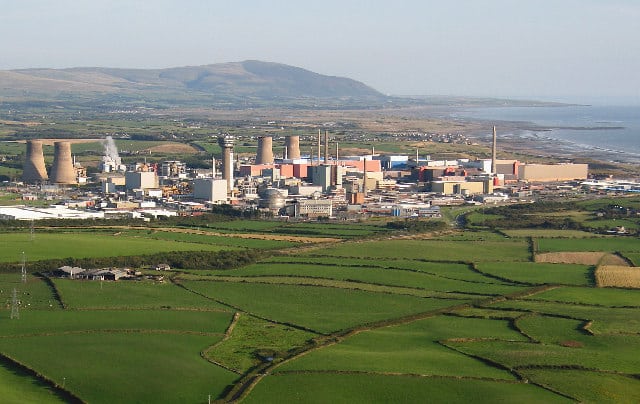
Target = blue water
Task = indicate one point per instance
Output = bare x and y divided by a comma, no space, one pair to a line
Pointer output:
611,128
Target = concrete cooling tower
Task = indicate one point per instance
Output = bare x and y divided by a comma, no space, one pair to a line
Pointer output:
62,171
293,147
265,150
34,169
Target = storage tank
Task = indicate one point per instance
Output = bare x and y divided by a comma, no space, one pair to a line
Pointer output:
62,171
34,169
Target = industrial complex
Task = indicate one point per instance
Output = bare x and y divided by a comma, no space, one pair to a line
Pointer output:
317,185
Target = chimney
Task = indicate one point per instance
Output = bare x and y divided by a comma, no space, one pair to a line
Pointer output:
62,171
493,153
226,143
326,147
265,150
293,147
34,169
319,146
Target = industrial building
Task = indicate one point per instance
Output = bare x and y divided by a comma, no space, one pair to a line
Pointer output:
552,172
210,190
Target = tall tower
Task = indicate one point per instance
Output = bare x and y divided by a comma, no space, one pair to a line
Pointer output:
226,143
34,169
494,168
62,171
293,147
265,150
326,147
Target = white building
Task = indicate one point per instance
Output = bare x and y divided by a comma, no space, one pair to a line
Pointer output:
211,190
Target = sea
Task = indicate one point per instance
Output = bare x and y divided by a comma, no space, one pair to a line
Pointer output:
610,132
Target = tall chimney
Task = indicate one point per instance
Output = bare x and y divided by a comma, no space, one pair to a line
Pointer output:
493,153
226,143
62,171
337,153
326,147
265,150
364,177
319,146
293,147
34,169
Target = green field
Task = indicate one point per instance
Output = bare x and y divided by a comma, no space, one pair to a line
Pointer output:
465,316
85,245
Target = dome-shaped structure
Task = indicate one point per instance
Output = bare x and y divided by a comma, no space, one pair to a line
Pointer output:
271,199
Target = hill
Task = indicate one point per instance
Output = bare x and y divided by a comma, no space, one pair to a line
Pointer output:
248,83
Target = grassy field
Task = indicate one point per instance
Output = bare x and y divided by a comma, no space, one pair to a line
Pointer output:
540,273
83,245
460,317
375,388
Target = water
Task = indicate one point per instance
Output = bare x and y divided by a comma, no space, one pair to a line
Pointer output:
609,129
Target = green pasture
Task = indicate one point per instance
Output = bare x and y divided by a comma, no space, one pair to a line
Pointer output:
607,297
589,386
320,309
85,294
210,239
448,270
553,330
33,294
108,367
608,244
411,349
253,339
34,322
85,245
610,224
356,387
18,387
488,313
540,273
435,250
375,276
548,233
596,204
606,320
634,258
611,353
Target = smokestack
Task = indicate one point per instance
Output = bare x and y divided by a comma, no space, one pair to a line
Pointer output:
226,143
293,147
319,146
34,169
326,147
62,171
493,153
337,153
364,177
265,150
213,167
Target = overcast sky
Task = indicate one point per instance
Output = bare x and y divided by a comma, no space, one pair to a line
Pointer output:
517,48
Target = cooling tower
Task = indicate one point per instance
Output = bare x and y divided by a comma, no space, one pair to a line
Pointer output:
293,147
62,171
34,169
265,150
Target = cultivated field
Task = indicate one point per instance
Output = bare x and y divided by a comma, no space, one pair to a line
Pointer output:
456,317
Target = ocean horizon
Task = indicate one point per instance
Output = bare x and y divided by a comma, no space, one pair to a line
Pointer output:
614,131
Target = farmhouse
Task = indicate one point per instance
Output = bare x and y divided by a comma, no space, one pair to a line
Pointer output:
101,274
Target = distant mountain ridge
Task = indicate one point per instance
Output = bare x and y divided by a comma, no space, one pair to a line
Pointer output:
236,82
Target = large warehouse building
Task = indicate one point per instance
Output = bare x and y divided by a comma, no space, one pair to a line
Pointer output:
552,172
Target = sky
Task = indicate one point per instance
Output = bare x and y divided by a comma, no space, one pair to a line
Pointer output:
548,49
